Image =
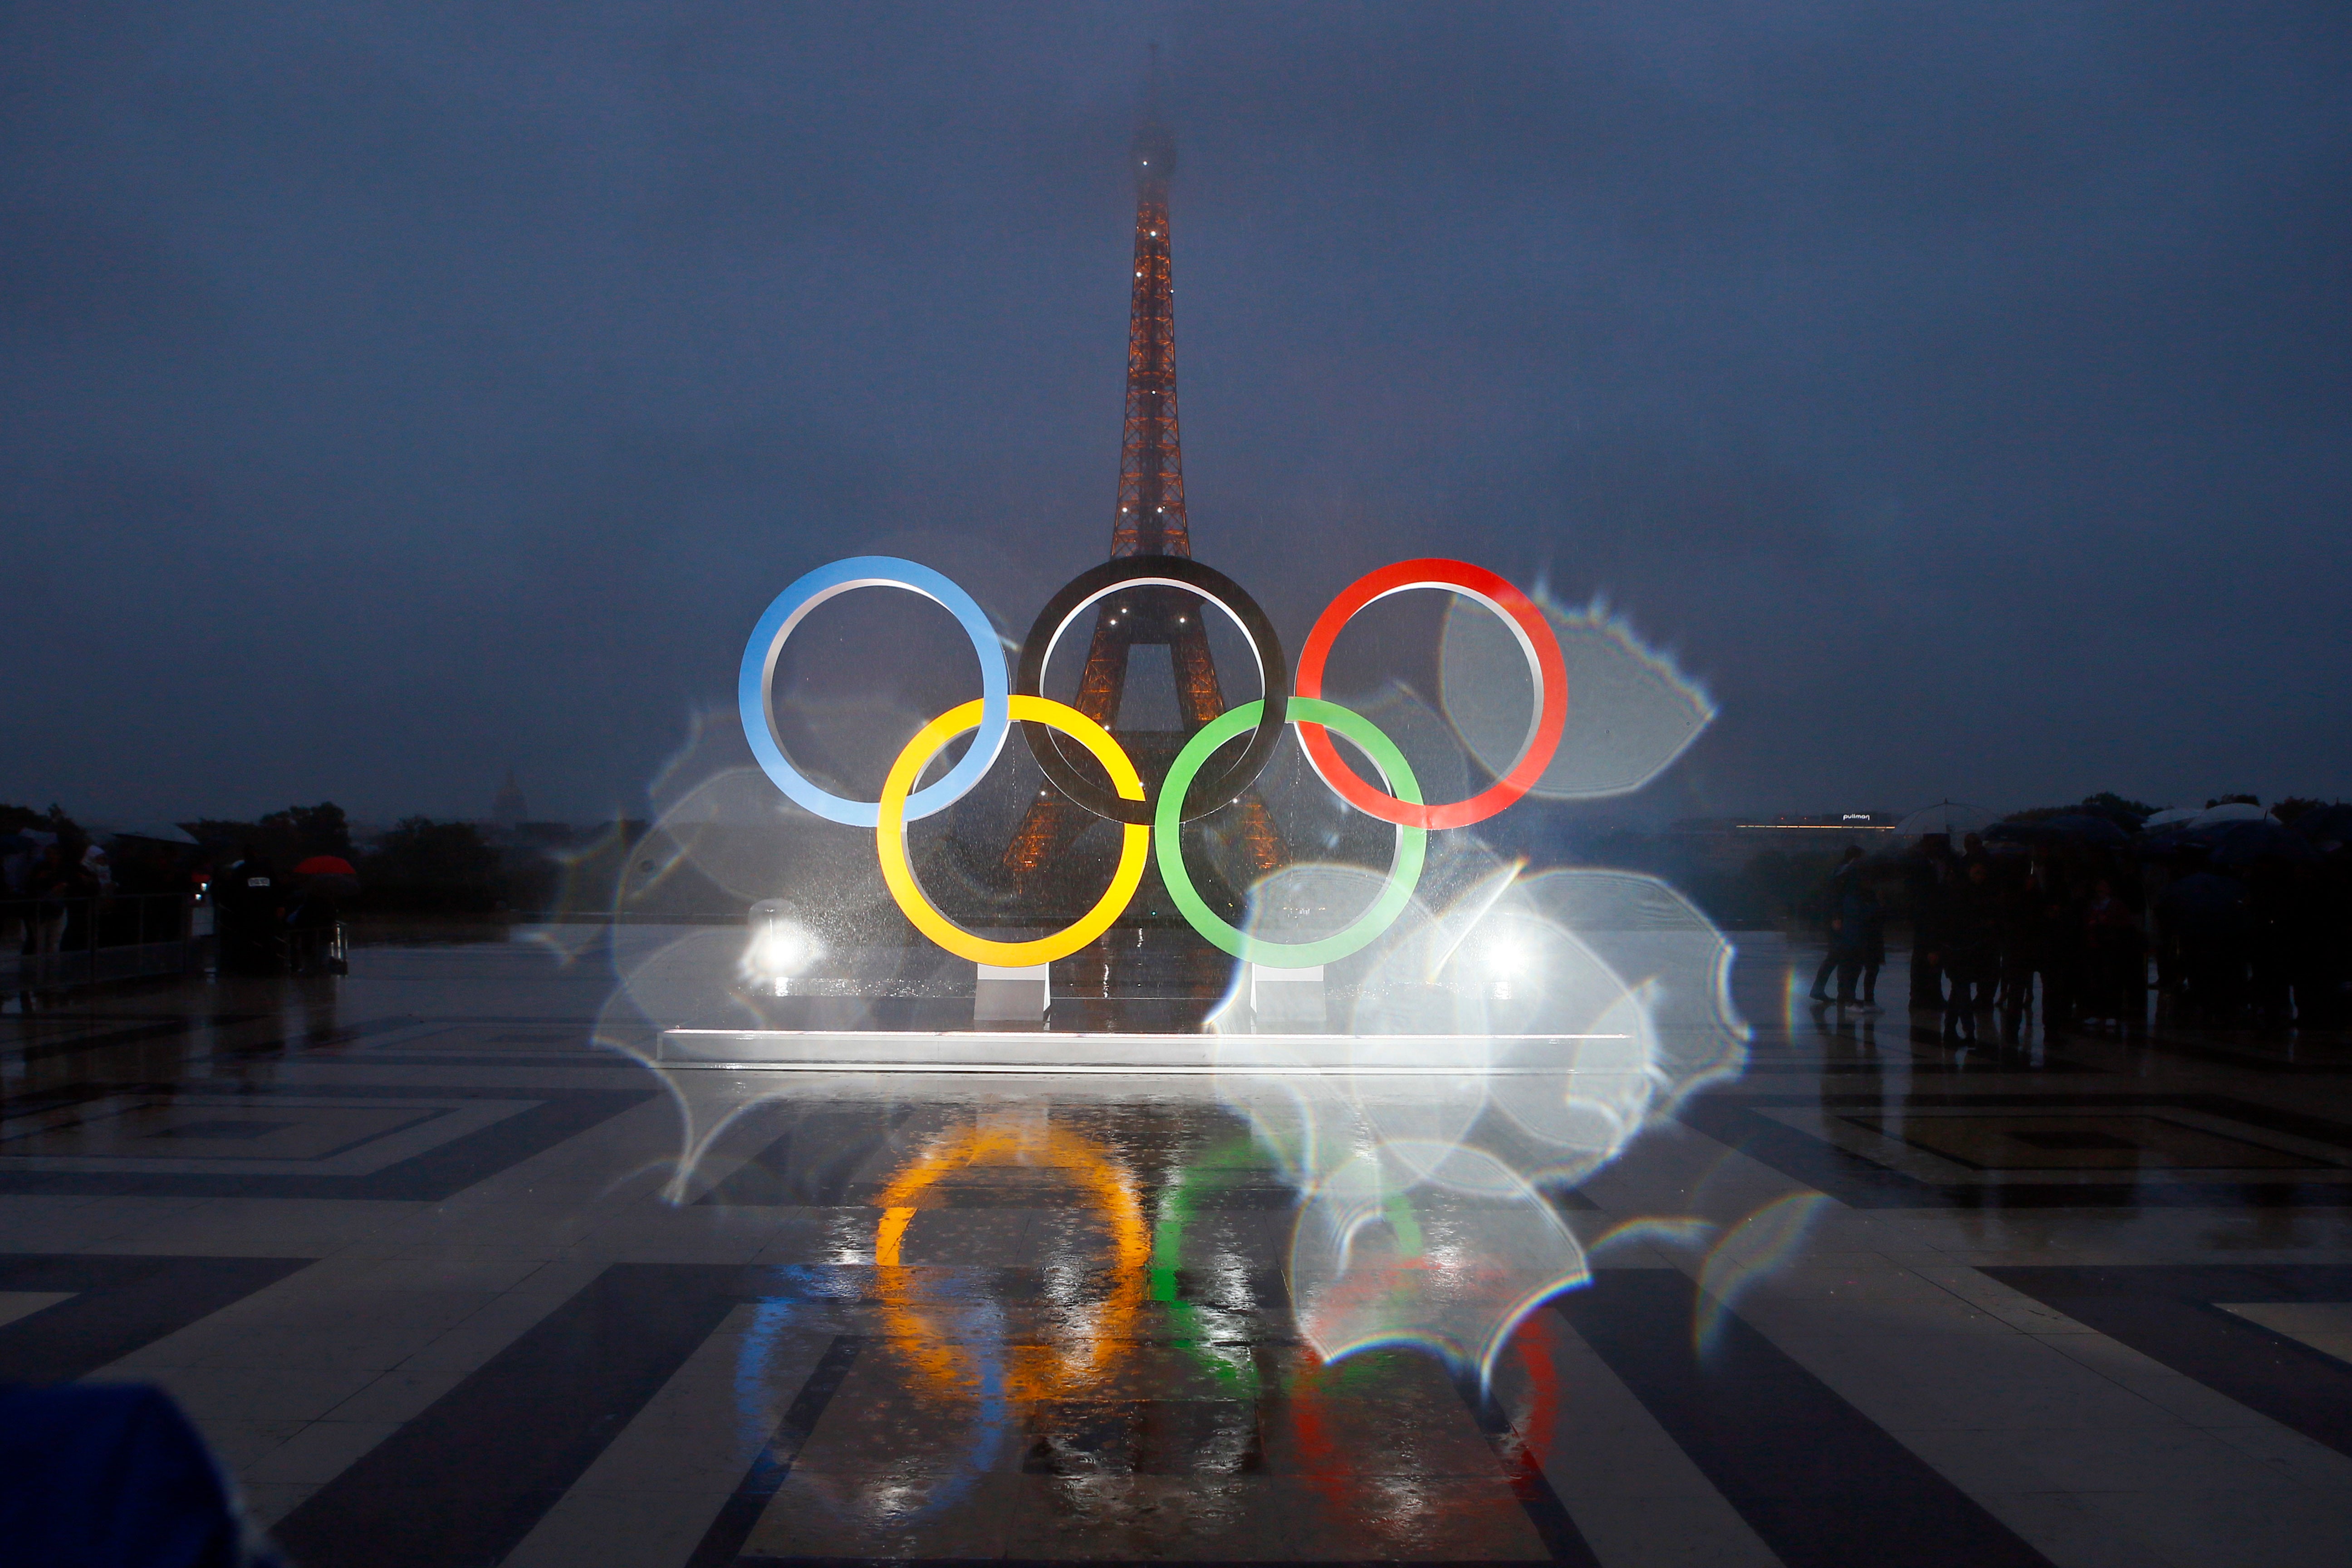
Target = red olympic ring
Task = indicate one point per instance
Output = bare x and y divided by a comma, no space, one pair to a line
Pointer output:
1544,663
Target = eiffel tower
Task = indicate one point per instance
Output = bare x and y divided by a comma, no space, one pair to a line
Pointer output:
1150,521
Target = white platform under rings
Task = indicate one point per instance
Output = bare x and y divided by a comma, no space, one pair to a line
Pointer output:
1037,1051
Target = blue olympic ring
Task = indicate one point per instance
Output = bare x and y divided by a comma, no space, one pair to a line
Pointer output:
753,687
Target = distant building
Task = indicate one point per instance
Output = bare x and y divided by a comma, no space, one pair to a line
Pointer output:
1732,840
1833,822
510,808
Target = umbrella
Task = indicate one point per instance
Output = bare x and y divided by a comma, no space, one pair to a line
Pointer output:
2326,824
1945,817
328,877
2255,834
155,832
2234,811
2204,901
2165,818
2243,842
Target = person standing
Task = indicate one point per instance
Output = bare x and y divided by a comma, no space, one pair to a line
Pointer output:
2271,953
2307,929
2057,896
1926,880
2017,916
2114,963
63,891
1840,881
18,854
248,899
1966,945
1862,925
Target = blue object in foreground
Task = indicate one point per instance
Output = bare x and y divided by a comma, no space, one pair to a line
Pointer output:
113,1475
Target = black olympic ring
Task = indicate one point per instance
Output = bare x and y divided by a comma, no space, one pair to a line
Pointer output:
1174,571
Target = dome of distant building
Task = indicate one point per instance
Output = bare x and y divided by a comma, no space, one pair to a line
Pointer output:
509,807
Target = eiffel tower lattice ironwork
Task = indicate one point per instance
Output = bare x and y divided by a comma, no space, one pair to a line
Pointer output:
1152,521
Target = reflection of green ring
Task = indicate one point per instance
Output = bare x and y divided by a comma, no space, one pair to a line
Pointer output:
1404,869
1218,1168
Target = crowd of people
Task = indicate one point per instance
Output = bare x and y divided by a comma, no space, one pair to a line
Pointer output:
51,886
267,920
2088,930
64,893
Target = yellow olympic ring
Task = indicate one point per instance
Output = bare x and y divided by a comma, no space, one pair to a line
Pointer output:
890,837
1034,1372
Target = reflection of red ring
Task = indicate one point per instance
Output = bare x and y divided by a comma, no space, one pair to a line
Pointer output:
1544,663
1543,1399
1330,1472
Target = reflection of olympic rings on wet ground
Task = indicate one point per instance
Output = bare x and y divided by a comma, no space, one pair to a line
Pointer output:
1320,1399
1075,1367
1184,795
1228,1358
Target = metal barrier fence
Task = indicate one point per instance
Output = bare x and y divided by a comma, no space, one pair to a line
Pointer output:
46,942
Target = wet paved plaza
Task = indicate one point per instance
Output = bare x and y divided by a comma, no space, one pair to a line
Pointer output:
418,1254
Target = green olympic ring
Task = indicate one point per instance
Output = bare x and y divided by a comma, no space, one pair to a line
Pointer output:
1404,867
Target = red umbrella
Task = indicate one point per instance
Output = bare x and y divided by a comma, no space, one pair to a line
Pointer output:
325,866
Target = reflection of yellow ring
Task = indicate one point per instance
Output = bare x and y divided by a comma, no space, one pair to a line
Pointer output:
890,837
1034,1372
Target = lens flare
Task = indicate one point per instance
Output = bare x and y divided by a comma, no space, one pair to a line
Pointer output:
1657,1230
1444,1248
1747,1252
1633,714
1576,1008
779,948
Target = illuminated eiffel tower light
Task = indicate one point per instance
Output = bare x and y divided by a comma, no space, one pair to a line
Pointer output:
1152,520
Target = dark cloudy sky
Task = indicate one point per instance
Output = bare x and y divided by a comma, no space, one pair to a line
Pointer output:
398,392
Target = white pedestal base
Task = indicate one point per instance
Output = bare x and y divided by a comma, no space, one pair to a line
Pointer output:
1287,1000
1033,1050
1010,995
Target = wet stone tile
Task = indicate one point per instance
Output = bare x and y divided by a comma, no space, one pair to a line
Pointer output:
871,1438
950,1514
1153,1438
1018,1384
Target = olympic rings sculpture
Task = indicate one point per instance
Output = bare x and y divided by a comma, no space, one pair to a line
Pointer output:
1186,794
